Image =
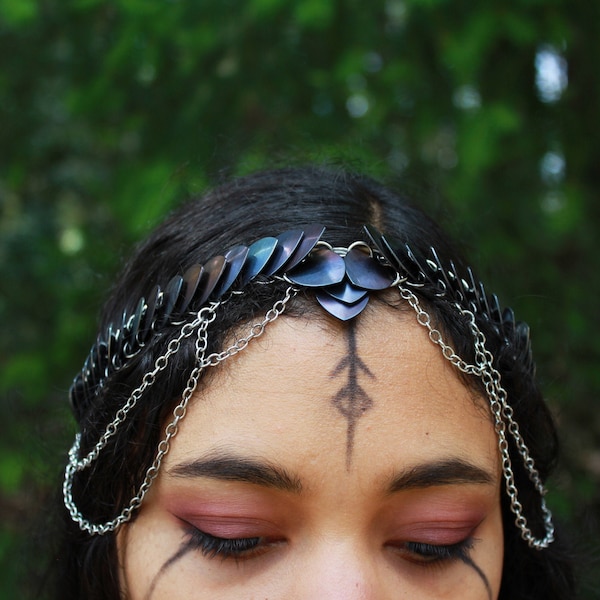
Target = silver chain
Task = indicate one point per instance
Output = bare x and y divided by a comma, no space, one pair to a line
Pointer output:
502,414
200,324
501,411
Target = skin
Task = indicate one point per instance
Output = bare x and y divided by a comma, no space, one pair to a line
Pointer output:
351,400
263,453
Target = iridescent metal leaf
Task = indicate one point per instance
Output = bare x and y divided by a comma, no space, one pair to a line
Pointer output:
259,254
508,318
92,365
386,245
321,268
375,236
461,285
484,307
214,269
192,278
312,234
496,311
444,283
171,295
417,273
365,272
338,309
100,359
346,292
137,318
147,322
113,343
287,242
234,261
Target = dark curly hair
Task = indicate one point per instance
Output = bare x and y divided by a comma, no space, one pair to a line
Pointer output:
240,212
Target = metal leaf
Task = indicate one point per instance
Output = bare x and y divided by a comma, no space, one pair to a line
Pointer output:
137,319
312,234
214,269
365,272
171,295
287,242
192,278
346,292
147,322
259,254
321,268
234,261
338,309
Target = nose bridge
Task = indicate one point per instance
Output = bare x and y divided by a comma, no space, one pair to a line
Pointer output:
338,570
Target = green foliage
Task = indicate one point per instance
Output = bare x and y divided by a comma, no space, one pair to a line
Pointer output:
113,112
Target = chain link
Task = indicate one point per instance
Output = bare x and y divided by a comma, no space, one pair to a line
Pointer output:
502,414
199,325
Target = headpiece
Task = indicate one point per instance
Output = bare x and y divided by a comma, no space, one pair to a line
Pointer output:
342,280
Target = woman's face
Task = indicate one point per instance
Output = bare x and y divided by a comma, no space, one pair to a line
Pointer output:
329,462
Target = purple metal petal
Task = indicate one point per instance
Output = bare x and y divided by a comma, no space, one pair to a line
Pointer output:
100,357
113,344
234,261
340,310
259,254
171,294
192,278
379,241
287,242
137,319
386,245
214,269
417,276
94,363
321,268
346,292
365,272
148,318
312,234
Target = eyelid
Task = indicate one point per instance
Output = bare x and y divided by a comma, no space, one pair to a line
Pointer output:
438,530
231,527
234,548
436,535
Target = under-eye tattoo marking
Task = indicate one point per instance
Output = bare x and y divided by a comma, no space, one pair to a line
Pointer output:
469,561
185,547
351,400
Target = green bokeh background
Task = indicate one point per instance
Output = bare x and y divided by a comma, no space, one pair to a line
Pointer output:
111,113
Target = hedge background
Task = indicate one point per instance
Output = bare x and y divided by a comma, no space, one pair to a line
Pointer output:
111,113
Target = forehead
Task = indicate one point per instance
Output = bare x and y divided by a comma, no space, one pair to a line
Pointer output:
308,388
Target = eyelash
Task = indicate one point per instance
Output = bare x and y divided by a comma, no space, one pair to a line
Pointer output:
242,548
224,548
430,554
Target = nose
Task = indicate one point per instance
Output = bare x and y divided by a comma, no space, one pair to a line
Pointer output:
338,572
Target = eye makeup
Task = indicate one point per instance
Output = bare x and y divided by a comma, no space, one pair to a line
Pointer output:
228,548
429,554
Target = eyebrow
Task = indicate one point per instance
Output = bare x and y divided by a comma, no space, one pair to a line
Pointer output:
445,472
225,466
231,467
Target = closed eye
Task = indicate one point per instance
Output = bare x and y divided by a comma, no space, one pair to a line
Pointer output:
428,554
228,548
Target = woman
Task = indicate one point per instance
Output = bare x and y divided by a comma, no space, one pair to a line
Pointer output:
299,391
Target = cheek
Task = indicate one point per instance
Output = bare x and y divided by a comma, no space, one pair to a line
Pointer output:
149,552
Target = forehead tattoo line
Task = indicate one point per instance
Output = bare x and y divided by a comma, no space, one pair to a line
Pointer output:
351,400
